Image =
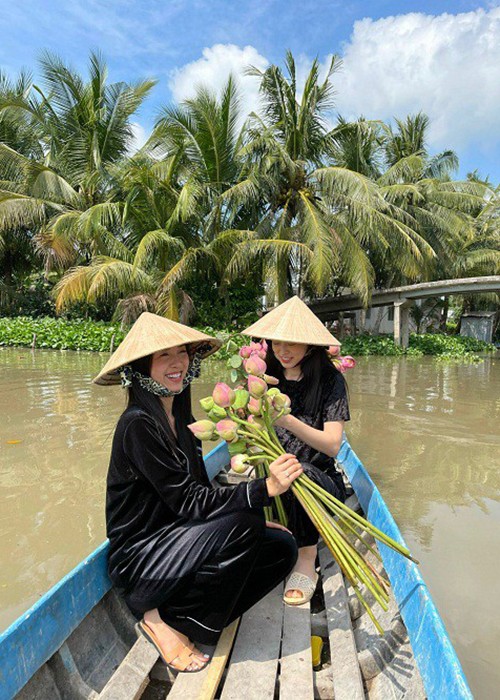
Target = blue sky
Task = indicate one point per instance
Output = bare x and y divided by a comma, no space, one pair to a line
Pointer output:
441,57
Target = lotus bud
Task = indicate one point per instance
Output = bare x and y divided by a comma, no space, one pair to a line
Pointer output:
238,464
223,395
235,448
271,380
333,350
245,351
254,406
273,392
217,413
257,422
264,344
256,386
202,429
241,399
207,404
226,429
281,401
348,362
255,365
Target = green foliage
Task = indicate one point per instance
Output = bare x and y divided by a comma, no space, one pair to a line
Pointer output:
437,344
59,334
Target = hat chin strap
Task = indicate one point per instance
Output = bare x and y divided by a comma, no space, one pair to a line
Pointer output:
127,374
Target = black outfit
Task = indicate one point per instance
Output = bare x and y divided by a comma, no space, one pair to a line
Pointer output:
199,554
334,406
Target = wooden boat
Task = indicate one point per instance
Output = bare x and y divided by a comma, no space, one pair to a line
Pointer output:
78,641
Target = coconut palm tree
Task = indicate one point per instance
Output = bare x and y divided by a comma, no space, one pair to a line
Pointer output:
63,192
173,216
316,220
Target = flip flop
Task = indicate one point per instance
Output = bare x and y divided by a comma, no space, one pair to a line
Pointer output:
303,584
182,654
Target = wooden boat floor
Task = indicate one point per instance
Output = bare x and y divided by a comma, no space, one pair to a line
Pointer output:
264,656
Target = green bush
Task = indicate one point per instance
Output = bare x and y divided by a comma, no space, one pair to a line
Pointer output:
80,334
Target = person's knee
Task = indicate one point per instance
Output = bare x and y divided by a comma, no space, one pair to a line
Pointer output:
245,526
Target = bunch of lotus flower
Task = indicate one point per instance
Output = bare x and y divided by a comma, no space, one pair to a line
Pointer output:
244,418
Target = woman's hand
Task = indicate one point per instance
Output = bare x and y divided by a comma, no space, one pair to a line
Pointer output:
277,526
284,470
282,422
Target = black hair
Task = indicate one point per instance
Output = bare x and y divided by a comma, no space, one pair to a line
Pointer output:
152,405
316,368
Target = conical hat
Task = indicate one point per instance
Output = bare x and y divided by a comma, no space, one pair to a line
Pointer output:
149,334
293,322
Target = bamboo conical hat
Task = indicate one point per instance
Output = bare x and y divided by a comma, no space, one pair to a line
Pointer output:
292,322
149,334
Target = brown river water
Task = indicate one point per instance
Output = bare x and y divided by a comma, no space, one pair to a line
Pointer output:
427,432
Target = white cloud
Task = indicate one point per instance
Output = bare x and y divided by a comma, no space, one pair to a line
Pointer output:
447,66
213,70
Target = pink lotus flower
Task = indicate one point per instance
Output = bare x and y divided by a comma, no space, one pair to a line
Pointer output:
255,365
245,351
333,350
254,406
238,464
227,429
202,429
256,386
223,395
348,362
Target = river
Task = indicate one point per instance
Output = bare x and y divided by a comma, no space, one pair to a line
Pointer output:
426,431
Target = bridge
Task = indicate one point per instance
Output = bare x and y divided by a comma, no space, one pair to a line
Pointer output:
403,298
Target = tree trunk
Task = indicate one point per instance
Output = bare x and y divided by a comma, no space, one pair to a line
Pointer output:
444,315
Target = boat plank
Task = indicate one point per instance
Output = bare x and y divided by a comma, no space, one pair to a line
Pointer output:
203,685
254,662
296,677
132,676
347,680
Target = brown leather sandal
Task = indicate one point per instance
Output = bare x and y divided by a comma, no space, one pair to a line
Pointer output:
182,654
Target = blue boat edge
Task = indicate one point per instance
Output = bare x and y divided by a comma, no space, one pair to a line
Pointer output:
437,660
50,623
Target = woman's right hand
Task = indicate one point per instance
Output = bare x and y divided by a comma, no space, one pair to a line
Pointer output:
284,470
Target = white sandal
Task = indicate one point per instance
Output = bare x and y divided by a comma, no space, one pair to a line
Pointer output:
303,584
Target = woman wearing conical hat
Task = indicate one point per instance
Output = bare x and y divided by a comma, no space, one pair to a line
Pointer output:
297,356
188,558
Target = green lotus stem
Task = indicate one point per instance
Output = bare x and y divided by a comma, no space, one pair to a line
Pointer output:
380,629
280,509
268,513
347,514
261,434
356,533
261,442
358,568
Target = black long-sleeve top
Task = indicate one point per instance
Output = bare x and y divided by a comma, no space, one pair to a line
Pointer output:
151,490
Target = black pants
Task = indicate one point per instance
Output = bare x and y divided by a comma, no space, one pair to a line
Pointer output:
207,574
299,522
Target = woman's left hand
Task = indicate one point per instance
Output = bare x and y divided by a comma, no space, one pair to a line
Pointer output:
277,526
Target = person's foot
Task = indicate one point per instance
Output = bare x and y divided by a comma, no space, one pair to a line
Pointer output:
168,639
305,565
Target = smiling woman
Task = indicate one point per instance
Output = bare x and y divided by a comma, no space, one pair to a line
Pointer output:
186,557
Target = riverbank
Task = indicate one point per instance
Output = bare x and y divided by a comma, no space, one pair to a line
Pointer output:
98,336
